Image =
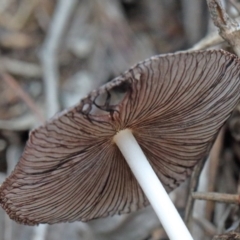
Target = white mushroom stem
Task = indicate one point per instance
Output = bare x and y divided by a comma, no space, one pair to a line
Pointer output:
151,186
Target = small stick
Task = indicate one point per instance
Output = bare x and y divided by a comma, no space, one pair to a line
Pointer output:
227,236
210,40
193,187
12,83
228,27
49,53
206,225
20,68
214,158
25,122
24,12
217,197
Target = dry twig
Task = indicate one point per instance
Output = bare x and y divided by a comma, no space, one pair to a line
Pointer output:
25,122
214,158
210,40
12,83
20,68
23,13
193,186
228,27
228,236
49,53
218,197
206,225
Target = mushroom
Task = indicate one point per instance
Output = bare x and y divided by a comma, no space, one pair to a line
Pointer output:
76,166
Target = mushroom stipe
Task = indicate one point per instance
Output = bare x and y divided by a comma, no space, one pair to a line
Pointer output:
71,168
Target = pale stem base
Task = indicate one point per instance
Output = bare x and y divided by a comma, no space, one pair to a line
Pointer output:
151,186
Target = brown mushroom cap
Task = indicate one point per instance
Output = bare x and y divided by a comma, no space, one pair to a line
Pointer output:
72,170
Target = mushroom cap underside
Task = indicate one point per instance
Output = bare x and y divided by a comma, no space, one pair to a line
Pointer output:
71,169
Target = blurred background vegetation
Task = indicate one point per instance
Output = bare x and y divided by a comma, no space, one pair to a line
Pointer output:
53,52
